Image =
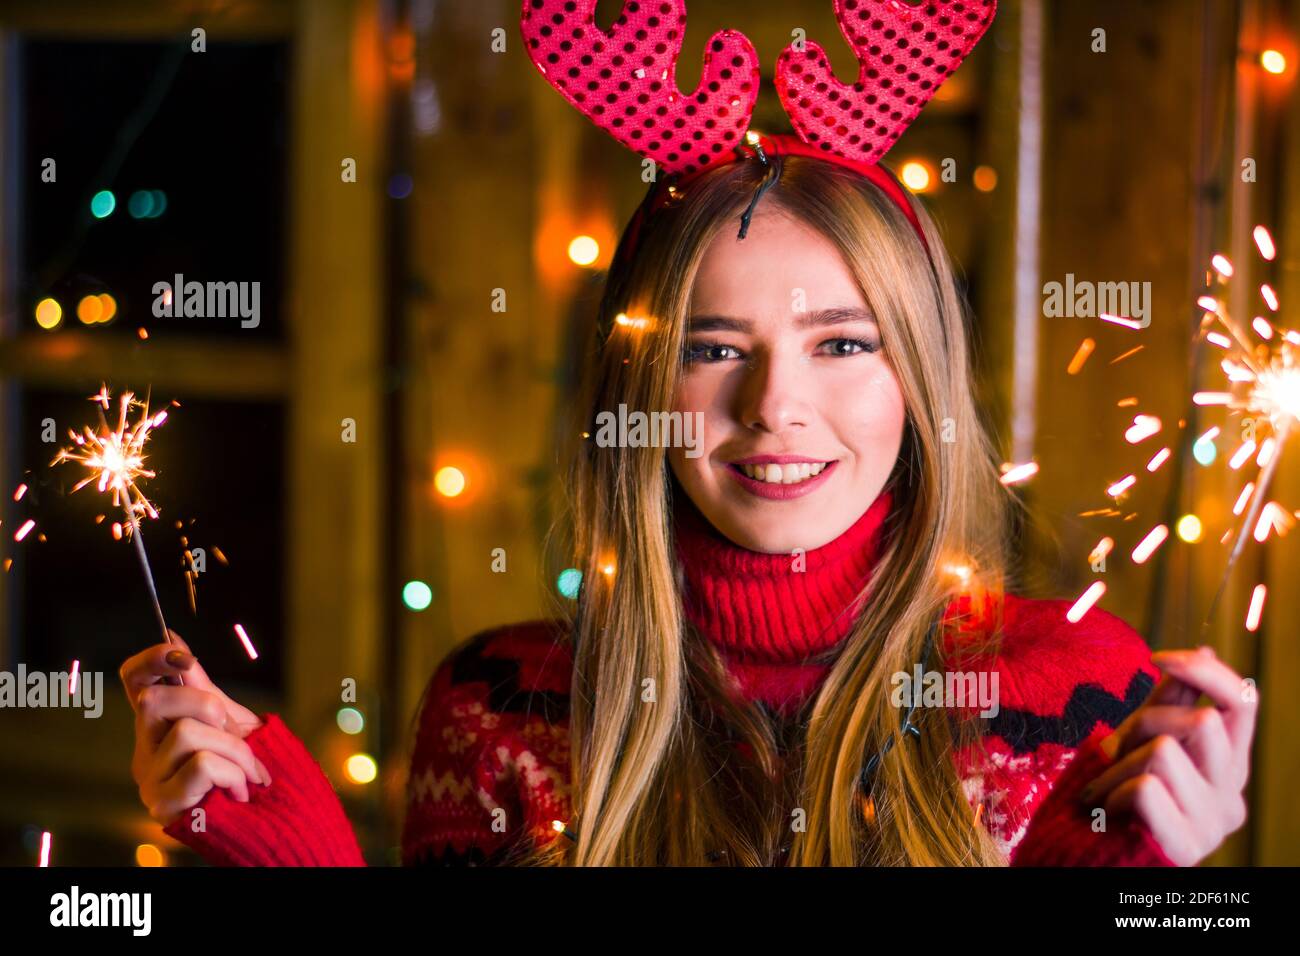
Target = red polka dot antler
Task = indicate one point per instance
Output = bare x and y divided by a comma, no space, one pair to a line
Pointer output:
905,53
625,80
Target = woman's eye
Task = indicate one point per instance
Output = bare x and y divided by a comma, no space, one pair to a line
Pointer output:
850,346
710,352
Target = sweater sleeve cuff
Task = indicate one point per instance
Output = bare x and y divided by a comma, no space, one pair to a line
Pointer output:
1060,833
296,821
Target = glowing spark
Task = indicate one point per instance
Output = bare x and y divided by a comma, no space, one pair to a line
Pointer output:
1219,339
1085,602
1121,357
115,456
1266,451
22,532
1262,327
248,645
1120,320
45,849
1256,607
1209,303
1016,473
1222,265
72,681
1242,455
1270,297
1155,537
1212,398
1240,506
1121,486
1102,549
1158,459
1080,356
1264,242
18,494
1144,426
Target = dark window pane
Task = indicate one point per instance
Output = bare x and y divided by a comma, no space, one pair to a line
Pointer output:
205,130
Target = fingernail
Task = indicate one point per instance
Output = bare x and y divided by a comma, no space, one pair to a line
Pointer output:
179,659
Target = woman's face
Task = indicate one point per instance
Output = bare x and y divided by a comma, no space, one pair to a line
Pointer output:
803,415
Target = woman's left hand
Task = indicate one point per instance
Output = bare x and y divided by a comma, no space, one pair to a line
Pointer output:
1181,768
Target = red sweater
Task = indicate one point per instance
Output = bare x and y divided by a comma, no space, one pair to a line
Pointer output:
493,727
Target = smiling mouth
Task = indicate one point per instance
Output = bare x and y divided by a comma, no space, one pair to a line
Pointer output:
789,474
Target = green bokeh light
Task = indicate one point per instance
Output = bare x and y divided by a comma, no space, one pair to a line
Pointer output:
417,595
102,203
1205,451
569,583
350,720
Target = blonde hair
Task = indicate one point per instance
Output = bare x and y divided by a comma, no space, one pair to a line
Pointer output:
661,783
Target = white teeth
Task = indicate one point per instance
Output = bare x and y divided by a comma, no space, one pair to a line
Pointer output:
784,474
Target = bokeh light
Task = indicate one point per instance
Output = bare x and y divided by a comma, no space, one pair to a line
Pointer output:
146,854
361,768
1189,528
583,250
569,583
90,310
417,595
449,481
102,204
1273,61
48,314
350,720
916,176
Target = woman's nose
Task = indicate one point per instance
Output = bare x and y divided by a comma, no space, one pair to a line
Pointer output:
773,396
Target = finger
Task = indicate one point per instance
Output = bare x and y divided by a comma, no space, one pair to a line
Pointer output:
141,670
1164,757
150,666
1199,729
188,735
1147,798
159,705
199,774
1172,692
1219,682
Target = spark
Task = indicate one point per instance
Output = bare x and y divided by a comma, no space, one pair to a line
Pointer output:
45,848
1256,607
248,645
1085,602
1080,356
1015,473
22,532
1155,537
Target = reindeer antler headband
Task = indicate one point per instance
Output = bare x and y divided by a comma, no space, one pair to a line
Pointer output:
625,81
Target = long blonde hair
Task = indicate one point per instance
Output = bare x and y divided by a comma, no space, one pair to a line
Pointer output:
661,783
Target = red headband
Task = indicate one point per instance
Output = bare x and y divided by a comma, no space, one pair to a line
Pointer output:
625,82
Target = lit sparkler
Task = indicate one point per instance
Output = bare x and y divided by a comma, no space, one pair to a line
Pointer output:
1263,383
115,458
1261,364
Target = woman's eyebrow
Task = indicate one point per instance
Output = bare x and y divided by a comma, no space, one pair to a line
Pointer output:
806,320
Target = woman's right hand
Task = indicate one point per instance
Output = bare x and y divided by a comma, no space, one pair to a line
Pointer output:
188,738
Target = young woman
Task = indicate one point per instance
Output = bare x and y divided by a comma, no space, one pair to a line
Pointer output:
736,684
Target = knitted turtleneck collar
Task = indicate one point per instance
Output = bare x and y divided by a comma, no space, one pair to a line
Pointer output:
769,619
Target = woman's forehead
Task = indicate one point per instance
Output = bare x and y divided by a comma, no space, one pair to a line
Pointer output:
783,265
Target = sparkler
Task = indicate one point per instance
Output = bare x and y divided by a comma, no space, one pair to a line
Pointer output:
1261,364
116,460
1263,383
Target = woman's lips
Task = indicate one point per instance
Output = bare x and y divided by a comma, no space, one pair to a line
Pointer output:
782,491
